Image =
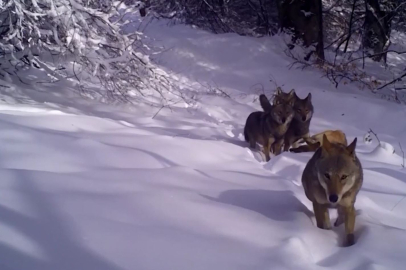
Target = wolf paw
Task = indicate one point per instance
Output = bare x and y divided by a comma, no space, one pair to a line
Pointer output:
294,150
338,222
324,226
350,240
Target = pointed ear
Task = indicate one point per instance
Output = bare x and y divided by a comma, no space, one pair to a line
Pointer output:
278,90
326,145
309,97
291,94
351,147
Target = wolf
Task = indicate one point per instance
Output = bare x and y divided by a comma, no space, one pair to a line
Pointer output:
269,127
314,142
299,128
332,179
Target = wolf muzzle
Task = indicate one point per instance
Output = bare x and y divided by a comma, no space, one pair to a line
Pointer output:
333,198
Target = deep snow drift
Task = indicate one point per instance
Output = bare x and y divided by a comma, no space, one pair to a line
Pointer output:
90,186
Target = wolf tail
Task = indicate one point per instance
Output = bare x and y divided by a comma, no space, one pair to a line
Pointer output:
265,104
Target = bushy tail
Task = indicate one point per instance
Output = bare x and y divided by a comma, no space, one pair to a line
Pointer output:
265,104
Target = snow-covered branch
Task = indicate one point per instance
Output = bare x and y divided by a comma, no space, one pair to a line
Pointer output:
87,35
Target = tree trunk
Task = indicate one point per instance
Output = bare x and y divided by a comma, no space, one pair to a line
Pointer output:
350,26
320,43
377,29
304,18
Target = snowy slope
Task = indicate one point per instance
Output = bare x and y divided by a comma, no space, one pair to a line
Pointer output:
89,186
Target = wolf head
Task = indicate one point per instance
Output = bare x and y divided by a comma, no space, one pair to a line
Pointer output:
303,108
337,169
282,111
282,96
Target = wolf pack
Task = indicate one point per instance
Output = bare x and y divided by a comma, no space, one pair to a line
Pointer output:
332,177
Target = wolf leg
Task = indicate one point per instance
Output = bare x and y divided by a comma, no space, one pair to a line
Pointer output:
295,143
300,149
309,147
341,216
349,219
322,216
267,148
253,143
287,145
277,146
266,151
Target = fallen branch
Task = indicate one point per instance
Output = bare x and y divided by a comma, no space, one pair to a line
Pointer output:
163,106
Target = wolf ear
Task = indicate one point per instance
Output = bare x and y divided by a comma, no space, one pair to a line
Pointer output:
351,147
326,145
265,104
309,97
278,90
292,95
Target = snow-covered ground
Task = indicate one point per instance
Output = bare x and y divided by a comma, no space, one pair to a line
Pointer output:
97,187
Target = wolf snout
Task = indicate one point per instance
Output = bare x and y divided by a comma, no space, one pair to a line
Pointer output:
303,118
283,120
333,198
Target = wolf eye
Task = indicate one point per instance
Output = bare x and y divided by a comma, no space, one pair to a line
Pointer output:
327,176
344,177
298,110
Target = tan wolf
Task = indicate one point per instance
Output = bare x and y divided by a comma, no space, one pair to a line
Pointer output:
299,128
314,142
269,127
332,179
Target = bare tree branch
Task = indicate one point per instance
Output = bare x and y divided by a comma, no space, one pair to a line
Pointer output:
393,81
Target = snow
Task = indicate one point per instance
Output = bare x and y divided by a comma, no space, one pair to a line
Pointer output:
85,185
